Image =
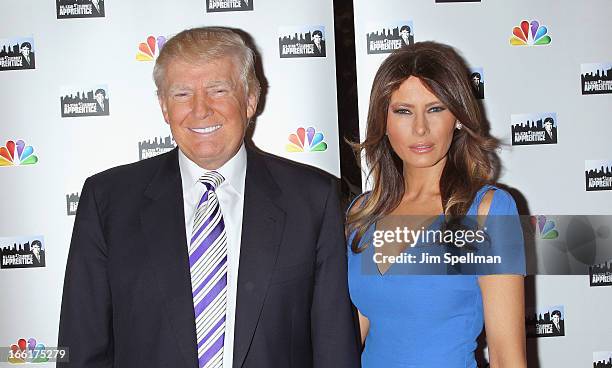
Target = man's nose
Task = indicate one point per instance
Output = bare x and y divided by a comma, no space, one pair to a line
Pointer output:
201,108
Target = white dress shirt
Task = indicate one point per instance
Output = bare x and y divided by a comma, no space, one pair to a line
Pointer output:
231,201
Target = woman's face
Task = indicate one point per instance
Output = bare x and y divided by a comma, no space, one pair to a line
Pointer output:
419,127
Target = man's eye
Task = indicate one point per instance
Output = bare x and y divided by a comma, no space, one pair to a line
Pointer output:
181,96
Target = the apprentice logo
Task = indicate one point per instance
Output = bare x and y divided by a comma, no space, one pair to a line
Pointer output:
76,103
79,9
598,175
17,53
601,274
213,6
72,202
546,322
387,38
298,42
596,79
154,147
529,129
22,252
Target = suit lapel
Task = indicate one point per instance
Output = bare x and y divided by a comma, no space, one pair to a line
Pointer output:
262,228
163,224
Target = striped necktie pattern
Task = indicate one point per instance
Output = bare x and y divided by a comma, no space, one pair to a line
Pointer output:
208,267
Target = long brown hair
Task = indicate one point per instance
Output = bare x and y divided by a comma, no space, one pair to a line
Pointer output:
471,161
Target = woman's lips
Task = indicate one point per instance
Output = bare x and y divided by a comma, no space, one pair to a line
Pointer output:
421,147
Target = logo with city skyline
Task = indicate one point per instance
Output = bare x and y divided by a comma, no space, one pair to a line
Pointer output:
214,6
306,140
27,351
596,79
17,154
598,175
72,203
155,146
530,34
17,53
546,322
299,42
601,274
79,9
148,51
22,252
94,102
537,128
602,359
384,39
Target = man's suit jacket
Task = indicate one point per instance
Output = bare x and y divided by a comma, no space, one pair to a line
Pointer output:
322,51
95,11
548,138
558,331
127,293
31,64
41,262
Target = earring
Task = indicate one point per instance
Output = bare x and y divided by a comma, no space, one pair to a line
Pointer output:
458,126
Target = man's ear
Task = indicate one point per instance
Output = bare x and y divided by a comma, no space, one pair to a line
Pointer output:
251,105
164,107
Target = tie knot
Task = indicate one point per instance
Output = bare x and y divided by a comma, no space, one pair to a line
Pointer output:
211,180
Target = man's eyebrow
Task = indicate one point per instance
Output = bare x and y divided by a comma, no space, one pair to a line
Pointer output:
178,87
217,83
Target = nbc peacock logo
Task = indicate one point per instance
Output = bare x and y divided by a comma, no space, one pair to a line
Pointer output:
29,351
530,34
17,154
148,51
546,227
306,140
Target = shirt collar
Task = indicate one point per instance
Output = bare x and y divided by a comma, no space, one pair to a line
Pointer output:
234,170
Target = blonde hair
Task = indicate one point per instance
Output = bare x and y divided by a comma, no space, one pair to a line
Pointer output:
205,44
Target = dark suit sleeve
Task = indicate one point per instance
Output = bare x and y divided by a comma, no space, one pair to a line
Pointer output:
85,321
333,332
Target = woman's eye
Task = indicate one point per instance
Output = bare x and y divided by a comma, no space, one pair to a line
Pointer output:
437,109
401,111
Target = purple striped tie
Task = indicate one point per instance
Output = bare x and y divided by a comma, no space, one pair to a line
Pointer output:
208,267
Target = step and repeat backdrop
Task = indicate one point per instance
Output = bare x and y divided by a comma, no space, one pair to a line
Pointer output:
543,70
77,97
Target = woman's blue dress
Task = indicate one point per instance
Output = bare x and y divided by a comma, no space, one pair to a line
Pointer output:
429,320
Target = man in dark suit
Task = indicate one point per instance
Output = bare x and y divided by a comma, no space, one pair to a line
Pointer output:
27,55
406,36
213,254
101,101
550,131
319,43
38,259
477,85
558,329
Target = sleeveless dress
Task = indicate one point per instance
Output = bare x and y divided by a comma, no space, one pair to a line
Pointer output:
427,320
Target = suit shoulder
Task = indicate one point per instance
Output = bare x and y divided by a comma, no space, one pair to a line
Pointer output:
127,175
287,171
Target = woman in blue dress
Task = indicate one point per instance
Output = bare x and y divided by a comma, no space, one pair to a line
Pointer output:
430,155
